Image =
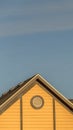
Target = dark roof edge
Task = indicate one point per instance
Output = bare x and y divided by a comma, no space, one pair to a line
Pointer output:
12,90
55,91
71,100
48,87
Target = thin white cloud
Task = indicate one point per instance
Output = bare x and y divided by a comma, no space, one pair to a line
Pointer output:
36,18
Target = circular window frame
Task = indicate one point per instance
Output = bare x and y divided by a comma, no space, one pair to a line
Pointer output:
35,107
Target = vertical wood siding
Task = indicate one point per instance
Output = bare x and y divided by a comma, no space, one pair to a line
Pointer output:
64,119
10,119
41,119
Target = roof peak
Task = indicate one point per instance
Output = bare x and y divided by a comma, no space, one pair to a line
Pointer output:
27,83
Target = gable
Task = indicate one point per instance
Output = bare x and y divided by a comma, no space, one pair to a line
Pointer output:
34,117
25,86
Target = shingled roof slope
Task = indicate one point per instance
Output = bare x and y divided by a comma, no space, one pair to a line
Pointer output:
18,89
11,91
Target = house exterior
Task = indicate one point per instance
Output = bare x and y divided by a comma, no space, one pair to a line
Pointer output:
35,105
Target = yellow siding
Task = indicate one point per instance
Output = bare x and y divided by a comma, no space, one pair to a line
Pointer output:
64,119
41,119
36,119
10,119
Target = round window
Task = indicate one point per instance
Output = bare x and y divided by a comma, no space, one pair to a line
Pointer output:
37,102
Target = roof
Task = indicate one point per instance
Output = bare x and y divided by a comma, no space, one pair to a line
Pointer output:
11,91
71,100
16,92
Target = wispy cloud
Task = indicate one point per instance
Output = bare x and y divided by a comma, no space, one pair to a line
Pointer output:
32,18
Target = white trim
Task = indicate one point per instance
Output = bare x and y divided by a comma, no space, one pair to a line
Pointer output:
18,91
55,90
51,87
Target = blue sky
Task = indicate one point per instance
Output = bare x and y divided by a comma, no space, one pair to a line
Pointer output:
36,36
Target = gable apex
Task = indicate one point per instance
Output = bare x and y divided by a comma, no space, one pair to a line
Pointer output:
16,92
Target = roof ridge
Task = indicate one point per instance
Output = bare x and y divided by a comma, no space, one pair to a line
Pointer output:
26,85
13,89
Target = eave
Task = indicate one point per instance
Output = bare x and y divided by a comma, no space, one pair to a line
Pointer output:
14,94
